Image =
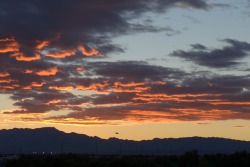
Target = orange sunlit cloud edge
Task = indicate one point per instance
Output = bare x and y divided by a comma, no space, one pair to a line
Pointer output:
12,47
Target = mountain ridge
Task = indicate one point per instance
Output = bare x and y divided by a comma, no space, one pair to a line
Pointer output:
51,140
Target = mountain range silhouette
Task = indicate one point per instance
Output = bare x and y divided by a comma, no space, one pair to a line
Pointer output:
52,141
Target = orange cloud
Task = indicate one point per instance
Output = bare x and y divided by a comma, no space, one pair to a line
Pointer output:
159,83
21,57
11,87
8,45
28,71
48,72
230,103
155,97
82,87
27,88
212,114
99,87
89,51
132,90
178,98
130,84
34,85
4,74
61,54
61,87
6,80
56,101
42,45
136,87
80,69
11,45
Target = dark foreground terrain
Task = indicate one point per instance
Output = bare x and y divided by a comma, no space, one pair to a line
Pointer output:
188,159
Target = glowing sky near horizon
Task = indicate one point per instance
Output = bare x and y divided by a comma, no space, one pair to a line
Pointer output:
143,68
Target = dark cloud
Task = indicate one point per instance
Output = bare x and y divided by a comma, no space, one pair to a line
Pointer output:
198,47
225,57
114,98
40,102
136,70
65,24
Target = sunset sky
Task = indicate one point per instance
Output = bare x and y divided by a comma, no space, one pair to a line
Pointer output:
144,68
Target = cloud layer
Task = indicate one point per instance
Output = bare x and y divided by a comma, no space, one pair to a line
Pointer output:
128,91
45,48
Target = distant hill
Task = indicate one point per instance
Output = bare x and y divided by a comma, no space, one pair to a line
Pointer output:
51,140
